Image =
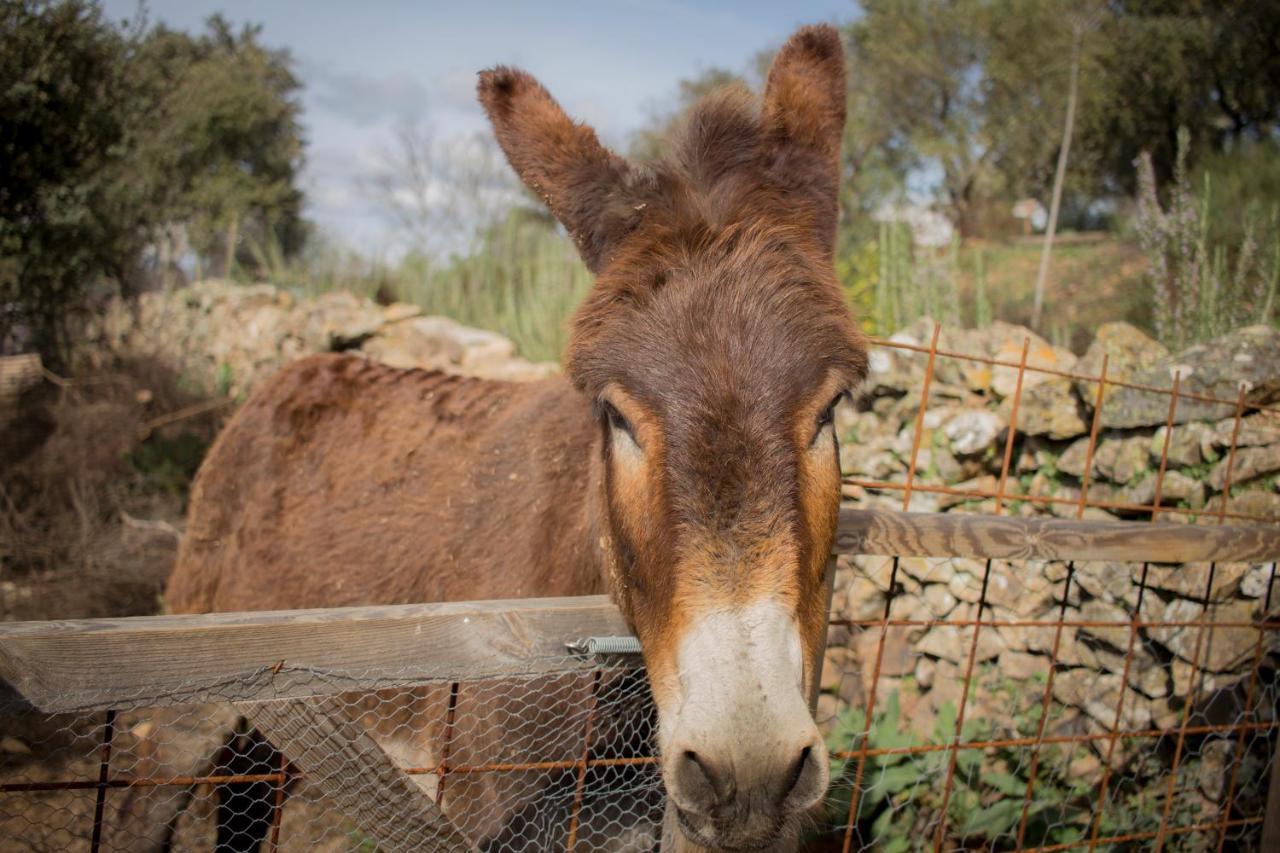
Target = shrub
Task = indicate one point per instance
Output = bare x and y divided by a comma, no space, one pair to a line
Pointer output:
1201,288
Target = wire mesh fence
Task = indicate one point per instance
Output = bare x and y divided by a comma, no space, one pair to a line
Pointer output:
1121,730
560,759
969,701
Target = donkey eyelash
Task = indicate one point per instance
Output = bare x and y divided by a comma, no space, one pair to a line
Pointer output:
828,415
616,419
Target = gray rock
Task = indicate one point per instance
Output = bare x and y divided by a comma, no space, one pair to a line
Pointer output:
1217,369
1265,505
1122,460
973,431
1255,429
1049,408
953,644
1075,457
1255,581
1185,445
1249,462
1006,342
1130,352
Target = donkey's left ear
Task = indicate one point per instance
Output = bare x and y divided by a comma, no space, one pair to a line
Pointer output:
582,182
804,112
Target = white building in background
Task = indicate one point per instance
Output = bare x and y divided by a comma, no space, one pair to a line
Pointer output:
1032,213
928,227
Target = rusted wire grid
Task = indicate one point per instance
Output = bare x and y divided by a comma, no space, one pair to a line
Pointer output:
1051,371
940,835
1046,700
1096,821
1082,502
856,793
1249,709
1001,495
1101,381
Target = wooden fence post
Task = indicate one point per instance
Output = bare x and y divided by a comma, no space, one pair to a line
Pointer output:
346,764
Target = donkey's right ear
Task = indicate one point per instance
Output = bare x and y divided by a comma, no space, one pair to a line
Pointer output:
582,182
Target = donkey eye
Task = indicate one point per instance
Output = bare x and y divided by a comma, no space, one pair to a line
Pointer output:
828,416
615,419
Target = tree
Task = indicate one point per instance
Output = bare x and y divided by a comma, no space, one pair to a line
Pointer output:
968,92
63,91
441,195
1212,68
112,139
220,145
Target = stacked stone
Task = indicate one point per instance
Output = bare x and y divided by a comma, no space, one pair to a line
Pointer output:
225,337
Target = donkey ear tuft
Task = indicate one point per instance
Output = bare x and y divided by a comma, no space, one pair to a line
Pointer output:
497,88
804,114
561,161
805,94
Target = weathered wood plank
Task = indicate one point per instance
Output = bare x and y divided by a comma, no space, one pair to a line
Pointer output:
93,664
96,664
344,763
912,534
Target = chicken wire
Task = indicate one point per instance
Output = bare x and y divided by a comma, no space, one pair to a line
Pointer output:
558,759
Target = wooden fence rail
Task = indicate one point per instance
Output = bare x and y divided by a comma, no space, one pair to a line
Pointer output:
94,664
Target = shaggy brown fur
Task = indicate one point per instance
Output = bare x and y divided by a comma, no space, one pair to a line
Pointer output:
342,482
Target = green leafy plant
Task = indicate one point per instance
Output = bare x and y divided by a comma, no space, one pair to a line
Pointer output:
902,791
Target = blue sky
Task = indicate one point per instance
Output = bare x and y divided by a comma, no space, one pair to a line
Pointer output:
369,66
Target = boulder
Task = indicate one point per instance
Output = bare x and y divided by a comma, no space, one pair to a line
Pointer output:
1130,353
1116,629
1249,462
1217,369
1264,505
1191,580
973,431
1255,429
1049,408
1186,444
1122,460
1257,580
1220,650
1075,457
1005,342
950,643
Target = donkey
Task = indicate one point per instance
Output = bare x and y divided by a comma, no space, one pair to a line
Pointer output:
686,462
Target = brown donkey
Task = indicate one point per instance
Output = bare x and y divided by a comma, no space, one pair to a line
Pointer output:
686,464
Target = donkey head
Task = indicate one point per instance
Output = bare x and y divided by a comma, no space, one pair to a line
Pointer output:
715,345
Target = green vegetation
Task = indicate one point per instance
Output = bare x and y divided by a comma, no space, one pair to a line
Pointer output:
156,146
902,792
115,144
1203,287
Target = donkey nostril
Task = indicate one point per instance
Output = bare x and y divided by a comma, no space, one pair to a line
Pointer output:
698,782
796,771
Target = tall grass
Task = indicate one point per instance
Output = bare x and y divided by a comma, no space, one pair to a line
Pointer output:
1202,287
522,278
891,283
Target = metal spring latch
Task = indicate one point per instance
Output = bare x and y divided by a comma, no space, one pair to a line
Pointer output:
604,646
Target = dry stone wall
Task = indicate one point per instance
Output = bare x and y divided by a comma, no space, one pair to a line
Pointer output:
1160,668
225,337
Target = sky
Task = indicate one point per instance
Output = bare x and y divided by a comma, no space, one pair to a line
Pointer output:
369,67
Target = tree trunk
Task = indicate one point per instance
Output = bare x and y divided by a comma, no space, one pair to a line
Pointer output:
1052,226
233,237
